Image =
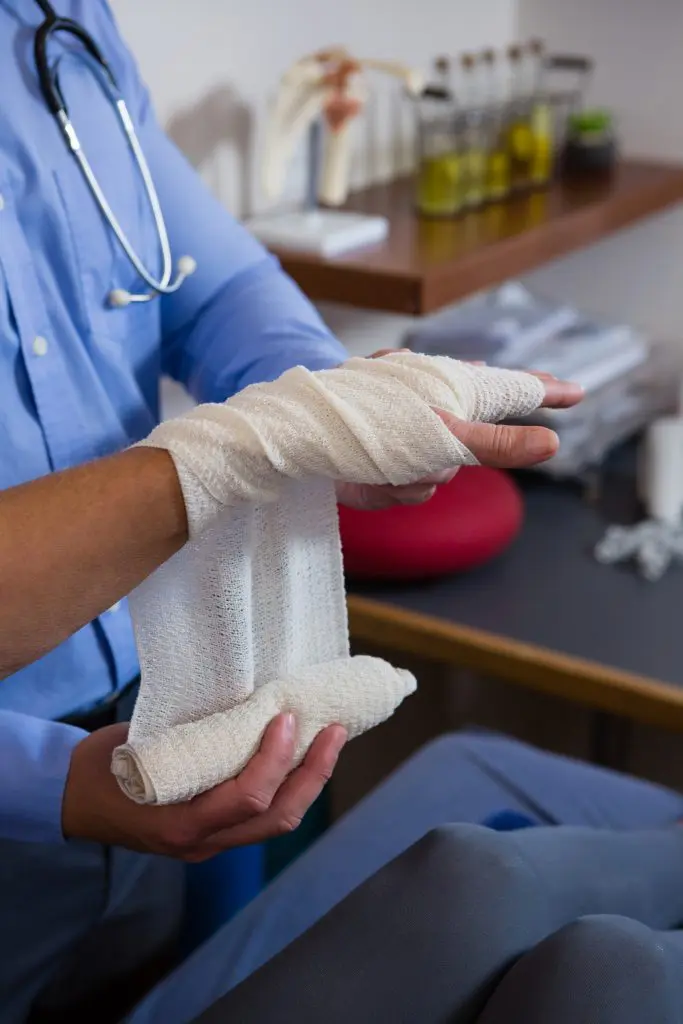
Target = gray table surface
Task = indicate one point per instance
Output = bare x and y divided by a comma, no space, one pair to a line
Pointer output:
548,590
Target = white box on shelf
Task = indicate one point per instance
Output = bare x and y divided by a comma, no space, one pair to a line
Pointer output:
323,232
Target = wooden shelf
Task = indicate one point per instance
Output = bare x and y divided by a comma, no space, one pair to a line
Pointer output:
426,264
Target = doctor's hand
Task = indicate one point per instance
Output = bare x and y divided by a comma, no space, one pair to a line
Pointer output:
493,444
268,799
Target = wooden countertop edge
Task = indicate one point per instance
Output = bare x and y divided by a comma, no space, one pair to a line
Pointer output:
538,245
422,292
537,668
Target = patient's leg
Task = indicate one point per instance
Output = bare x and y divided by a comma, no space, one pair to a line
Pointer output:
432,934
431,929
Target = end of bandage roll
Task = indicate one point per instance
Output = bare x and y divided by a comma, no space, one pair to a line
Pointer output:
186,760
131,775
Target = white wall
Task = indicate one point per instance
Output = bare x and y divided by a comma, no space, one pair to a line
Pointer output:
212,66
637,44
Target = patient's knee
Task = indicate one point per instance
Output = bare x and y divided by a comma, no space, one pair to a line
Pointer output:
604,969
608,944
480,873
602,961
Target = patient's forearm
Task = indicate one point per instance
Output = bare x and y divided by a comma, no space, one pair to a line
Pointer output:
73,543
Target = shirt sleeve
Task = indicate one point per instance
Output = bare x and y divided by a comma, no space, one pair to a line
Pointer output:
239,318
34,764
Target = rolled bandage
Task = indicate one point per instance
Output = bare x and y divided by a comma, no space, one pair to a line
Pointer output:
249,619
361,691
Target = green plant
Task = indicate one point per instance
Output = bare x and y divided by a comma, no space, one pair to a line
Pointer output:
590,122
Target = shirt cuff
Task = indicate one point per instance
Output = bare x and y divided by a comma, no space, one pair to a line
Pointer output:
34,763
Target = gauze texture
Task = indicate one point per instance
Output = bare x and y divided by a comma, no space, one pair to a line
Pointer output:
249,618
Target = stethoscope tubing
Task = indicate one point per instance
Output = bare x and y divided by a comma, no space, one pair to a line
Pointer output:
54,99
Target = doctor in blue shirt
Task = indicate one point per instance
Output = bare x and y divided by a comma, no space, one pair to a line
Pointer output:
116,266
106,282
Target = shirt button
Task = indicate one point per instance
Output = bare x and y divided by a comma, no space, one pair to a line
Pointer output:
40,345
115,607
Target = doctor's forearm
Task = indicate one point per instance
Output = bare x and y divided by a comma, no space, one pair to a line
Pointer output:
73,543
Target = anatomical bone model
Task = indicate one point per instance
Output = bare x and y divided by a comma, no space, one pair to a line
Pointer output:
330,86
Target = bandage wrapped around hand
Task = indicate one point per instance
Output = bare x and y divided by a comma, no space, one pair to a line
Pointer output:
249,618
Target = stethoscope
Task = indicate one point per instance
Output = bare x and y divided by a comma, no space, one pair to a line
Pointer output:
49,84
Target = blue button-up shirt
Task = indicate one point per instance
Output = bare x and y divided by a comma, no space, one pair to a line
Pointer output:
79,379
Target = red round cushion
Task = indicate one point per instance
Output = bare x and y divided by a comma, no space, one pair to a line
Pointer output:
467,522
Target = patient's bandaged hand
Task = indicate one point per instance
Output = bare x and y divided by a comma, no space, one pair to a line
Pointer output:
249,618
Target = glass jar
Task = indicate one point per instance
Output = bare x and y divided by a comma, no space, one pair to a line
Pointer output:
440,168
472,130
498,167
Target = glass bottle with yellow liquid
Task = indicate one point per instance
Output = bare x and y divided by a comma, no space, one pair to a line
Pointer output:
472,132
497,183
542,119
475,164
519,137
543,158
440,180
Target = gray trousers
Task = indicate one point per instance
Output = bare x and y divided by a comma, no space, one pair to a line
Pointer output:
397,916
554,925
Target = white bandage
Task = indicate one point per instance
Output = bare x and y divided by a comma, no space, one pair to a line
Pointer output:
249,618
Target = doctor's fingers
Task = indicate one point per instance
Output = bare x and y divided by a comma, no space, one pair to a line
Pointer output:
255,797
292,800
502,446
252,791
